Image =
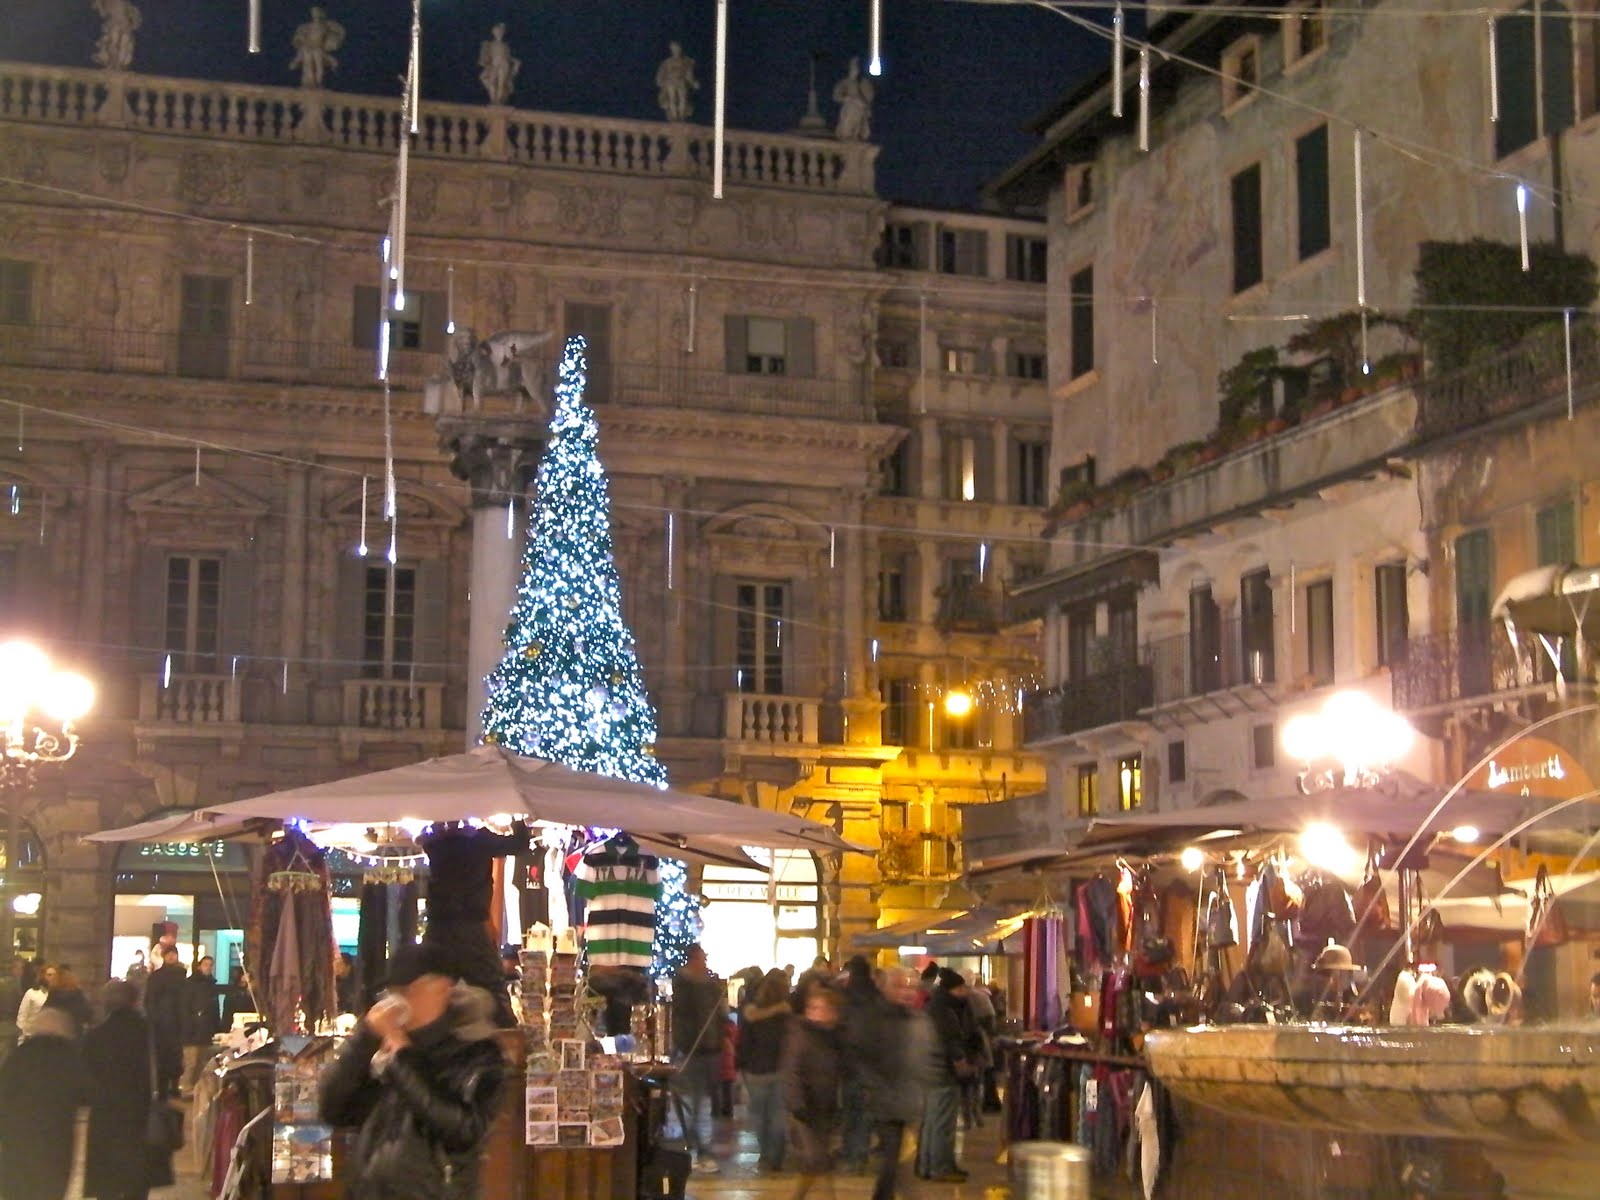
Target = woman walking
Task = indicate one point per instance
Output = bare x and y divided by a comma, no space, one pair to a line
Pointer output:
762,1025
116,1054
41,1086
811,1078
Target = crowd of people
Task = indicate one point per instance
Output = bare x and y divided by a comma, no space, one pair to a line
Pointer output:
838,1068
140,1042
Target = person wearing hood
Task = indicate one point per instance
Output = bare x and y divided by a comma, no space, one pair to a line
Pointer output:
41,1086
118,1164
952,1066
422,1076
859,995
811,1079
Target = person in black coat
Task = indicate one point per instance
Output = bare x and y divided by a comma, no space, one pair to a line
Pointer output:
66,995
202,1019
163,1005
422,1076
117,1058
41,1086
812,1074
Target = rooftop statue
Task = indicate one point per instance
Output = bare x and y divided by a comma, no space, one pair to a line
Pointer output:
314,44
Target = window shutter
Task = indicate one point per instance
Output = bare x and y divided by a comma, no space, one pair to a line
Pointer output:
149,609
1247,262
1514,55
1311,188
803,651
724,650
800,337
735,339
349,599
952,463
237,619
364,319
432,307
433,620
983,474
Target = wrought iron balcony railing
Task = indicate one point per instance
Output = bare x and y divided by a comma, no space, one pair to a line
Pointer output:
1198,662
1469,661
1115,695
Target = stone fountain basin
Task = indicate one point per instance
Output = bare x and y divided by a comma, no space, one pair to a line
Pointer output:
1529,1087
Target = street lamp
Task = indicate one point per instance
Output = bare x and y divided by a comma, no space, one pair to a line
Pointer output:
1351,742
38,705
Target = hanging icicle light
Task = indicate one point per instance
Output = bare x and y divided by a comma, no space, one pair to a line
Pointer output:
670,531
390,500
983,560
1522,224
16,500
1494,74
21,414
833,538
1144,98
688,332
166,671
1153,358
286,677
875,22
1361,252
450,298
719,100
414,74
1566,330
361,547
1116,62
511,519
249,269
394,543
197,466
255,27
874,649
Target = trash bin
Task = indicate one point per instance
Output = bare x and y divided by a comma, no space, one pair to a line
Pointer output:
1049,1171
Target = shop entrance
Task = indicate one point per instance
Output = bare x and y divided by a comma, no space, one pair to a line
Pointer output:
752,919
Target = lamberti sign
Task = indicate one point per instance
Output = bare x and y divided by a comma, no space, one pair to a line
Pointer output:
1532,766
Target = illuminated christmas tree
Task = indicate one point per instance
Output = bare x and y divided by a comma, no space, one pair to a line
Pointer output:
569,687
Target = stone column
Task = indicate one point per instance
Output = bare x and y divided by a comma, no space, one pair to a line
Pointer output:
92,555
929,581
930,476
292,632
497,456
1000,431
862,708
677,696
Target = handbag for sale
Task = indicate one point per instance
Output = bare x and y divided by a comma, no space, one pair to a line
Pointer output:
1326,913
1270,954
1083,1012
1546,924
1372,902
1222,923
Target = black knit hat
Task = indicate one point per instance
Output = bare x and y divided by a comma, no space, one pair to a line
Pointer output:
950,980
411,963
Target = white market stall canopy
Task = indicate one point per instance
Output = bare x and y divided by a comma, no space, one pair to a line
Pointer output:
490,781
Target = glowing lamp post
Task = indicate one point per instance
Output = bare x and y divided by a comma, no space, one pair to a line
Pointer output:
1351,742
38,705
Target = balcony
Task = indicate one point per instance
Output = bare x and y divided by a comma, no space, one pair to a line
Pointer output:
770,720
189,700
1518,381
1104,699
341,364
396,705
1233,654
457,133
1445,670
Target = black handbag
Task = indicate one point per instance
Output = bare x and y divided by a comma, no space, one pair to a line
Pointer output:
411,1165
1222,923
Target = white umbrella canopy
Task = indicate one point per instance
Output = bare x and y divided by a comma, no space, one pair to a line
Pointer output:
490,780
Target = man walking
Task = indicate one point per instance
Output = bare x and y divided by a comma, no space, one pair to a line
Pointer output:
889,1042
164,996
422,1076
952,1066
699,1024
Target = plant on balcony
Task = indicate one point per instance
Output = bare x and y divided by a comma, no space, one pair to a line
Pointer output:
1185,456
1246,391
1336,340
899,855
1474,300
1075,498
569,688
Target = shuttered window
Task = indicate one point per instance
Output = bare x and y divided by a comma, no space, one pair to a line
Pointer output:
1556,534
1081,299
1528,45
1247,259
1313,232
1393,613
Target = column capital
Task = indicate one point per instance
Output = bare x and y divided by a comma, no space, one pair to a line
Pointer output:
497,455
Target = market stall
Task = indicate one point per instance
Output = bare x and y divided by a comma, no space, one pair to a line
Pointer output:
573,1128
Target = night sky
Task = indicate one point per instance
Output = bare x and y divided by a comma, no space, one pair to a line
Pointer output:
960,79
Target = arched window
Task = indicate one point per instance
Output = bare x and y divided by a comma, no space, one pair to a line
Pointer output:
21,886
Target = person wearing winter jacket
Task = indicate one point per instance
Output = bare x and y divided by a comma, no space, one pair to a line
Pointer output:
889,1043
762,1025
954,1035
422,1076
811,1074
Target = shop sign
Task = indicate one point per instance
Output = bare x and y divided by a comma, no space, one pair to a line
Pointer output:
1532,767
196,855
790,893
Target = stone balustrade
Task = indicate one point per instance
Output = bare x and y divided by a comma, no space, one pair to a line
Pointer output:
561,141
393,704
775,720
187,699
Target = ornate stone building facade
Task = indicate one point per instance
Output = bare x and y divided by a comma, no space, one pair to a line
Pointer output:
188,337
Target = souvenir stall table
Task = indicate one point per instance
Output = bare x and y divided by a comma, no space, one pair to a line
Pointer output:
570,1127
1160,934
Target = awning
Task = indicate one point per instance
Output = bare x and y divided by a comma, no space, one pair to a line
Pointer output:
489,781
1552,600
1011,833
959,932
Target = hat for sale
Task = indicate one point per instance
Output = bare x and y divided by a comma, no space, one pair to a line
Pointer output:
1334,957
411,963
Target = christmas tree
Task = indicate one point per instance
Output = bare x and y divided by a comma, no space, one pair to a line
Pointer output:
569,687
